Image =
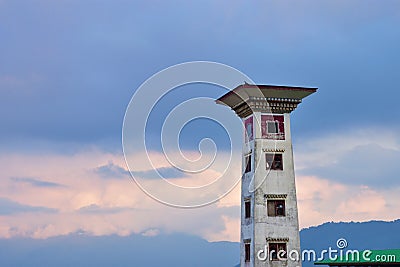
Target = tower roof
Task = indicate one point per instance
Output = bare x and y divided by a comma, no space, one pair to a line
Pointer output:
246,98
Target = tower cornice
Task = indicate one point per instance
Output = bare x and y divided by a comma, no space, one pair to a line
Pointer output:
248,98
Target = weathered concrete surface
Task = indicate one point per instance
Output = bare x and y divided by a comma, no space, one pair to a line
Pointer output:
261,228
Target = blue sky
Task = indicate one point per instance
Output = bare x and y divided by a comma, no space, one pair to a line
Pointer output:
69,68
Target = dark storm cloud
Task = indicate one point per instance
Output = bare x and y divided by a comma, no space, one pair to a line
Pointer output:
69,68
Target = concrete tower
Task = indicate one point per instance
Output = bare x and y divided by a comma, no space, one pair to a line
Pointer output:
269,217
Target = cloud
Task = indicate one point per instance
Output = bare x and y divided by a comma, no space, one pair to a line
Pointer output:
98,196
370,165
9,207
322,38
88,202
151,232
321,200
340,176
348,175
354,157
112,171
35,182
96,209
163,172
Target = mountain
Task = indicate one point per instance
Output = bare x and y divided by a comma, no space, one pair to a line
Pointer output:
359,235
80,250
135,250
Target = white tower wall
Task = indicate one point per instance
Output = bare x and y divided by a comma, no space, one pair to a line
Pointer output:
269,215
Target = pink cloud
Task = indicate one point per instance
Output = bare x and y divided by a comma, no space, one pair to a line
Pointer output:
88,203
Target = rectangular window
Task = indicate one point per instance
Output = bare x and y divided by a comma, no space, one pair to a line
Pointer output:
248,124
276,208
248,164
276,249
247,209
274,161
272,127
247,252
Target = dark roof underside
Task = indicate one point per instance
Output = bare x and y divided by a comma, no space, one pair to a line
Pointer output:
243,92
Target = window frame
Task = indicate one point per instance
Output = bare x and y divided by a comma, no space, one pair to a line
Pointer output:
247,209
273,126
274,161
274,203
247,160
276,247
247,252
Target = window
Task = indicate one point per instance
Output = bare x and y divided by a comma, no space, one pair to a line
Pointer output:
249,128
247,252
276,249
276,208
272,127
247,209
274,161
248,164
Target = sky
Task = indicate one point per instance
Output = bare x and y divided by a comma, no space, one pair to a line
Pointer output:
68,70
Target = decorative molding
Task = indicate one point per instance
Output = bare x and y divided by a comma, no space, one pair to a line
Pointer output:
275,196
248,240
280,150
269,105
277,239
247,198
